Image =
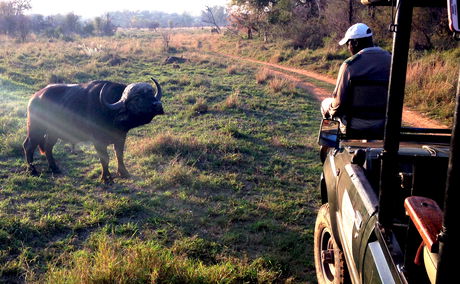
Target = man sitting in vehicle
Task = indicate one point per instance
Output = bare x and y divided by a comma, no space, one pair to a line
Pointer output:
367,61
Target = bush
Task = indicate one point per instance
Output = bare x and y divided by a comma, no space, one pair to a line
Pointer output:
232,101
263,75
232,69
168,144
200,106
56,79
278,84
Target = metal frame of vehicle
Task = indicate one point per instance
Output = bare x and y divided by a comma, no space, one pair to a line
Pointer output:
363,182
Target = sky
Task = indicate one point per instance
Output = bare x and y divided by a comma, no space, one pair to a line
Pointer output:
93,8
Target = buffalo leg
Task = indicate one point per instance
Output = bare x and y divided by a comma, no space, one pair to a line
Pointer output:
49,144
29,145
119,149
104,158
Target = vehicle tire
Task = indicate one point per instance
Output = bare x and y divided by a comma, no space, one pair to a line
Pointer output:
329,259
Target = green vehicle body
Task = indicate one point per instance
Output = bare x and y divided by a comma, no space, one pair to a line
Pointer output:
351,190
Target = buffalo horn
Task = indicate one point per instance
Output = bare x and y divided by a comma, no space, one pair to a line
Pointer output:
159,93
115,106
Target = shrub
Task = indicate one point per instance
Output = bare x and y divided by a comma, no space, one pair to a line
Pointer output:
263,75
232,101
278,84
178,173
11,144
200,106
232,69
56,79
276,58
167,144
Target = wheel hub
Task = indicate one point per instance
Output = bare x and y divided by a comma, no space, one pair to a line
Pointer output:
327,256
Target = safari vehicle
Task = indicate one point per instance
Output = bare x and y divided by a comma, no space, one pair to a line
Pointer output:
389,196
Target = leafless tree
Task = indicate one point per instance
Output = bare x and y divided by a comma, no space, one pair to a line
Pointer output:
166,37
209,18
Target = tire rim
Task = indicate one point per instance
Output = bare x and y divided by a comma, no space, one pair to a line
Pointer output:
327,256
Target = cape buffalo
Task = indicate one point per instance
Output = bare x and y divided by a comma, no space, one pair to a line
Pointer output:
99,111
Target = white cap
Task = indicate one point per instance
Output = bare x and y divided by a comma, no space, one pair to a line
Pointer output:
358,30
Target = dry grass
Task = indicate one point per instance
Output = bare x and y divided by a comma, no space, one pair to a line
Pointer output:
199,58
232,69
431,86
166,144
279,84
276,58
232,101
178,173
181,41
263,75
200,106
278,141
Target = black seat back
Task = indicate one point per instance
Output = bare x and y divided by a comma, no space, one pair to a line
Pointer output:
365,109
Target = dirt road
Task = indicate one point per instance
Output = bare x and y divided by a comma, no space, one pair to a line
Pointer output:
410,117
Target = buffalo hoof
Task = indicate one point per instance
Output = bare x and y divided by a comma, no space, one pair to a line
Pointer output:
123,174
55,170
32,171
107,179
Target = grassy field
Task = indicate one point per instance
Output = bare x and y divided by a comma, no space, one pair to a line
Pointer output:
224,186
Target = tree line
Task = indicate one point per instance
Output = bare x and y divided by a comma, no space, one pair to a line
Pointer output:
15,23
299,23
316,23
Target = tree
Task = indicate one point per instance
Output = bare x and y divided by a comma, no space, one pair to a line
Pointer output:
153,25
104,26
290,19
244,18
12,21
22,27
429,29
215,16
37,23
14,7
185,20
108,28
71,24
88,29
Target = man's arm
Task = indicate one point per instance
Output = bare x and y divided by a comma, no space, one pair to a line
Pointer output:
340,91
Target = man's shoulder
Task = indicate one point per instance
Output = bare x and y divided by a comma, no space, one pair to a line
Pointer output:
370,53
352,59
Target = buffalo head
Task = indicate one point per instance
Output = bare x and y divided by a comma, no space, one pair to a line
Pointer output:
137,105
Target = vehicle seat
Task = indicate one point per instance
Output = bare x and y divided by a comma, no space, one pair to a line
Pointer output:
427,218
364,109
